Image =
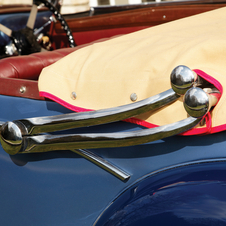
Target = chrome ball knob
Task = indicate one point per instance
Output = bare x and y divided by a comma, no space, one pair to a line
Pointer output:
196,102
182,78
11,138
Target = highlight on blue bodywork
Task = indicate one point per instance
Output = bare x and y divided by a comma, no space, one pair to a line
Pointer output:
186,194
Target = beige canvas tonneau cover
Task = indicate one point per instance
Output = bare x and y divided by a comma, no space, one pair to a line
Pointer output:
105,74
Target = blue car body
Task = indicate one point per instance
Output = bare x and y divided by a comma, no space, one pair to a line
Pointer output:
179,180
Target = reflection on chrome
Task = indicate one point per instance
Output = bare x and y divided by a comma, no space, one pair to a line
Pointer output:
22,136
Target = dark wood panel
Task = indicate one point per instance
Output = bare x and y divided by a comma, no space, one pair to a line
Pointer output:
139,17
19,8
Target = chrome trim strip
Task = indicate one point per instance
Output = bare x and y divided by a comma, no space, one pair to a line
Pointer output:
104,164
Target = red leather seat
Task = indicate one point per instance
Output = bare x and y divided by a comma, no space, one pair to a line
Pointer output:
19,72
30,66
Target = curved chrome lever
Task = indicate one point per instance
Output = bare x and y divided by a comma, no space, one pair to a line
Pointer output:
181,77
44,143
16,136
198,101
90,118
13,141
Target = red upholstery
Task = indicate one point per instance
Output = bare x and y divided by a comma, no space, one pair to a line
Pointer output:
23,71
30,66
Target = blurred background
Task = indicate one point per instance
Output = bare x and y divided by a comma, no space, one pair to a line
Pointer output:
73,6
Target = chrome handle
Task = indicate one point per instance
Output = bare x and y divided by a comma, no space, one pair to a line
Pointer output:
44,143
197,101
83,119
182,78
16,136
14,142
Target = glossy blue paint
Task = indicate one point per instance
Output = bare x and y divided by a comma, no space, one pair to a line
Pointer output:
62,188
189,194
